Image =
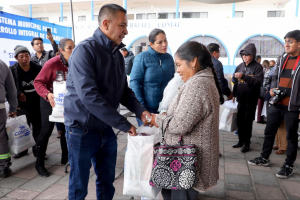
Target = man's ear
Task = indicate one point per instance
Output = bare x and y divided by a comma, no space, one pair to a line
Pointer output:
105,24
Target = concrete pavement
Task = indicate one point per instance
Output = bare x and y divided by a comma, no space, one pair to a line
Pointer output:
238,180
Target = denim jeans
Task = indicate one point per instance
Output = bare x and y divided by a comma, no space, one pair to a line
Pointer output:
86,147
140,122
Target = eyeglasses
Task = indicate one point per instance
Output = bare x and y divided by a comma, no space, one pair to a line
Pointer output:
38,43
289,42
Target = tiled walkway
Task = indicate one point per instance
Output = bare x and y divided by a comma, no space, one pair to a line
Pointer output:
238,180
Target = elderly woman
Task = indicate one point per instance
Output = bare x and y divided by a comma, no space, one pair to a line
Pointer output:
195,111
55,69
151,72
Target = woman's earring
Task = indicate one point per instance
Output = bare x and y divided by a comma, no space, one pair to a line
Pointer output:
193,67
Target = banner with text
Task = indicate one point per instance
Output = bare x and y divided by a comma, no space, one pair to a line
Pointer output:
23,28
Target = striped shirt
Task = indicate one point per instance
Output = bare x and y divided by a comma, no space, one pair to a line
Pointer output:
285,79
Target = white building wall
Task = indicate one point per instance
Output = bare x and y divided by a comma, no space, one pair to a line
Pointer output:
232,32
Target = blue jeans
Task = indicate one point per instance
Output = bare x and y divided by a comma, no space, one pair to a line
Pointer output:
86,147
140,122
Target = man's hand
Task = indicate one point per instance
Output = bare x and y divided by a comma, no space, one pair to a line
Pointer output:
50,37
153,120
12,114
230,96
144,117
233,99
132,131
272,93
238,75
50,98
22,97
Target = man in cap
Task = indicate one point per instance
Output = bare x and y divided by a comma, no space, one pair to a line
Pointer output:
247,80
284,105
8,91
24,72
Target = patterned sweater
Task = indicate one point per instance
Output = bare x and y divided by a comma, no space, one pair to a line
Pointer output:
195,112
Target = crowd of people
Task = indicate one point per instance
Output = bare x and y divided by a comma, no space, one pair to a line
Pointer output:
96,72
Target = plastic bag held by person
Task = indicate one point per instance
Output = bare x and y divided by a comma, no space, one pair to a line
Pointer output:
19,135
139,161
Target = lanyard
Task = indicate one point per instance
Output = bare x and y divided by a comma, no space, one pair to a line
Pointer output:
298,58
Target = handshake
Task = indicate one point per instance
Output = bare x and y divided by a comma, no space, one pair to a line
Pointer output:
147,118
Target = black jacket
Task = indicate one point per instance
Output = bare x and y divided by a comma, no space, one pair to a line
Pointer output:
223,82
294,104
247,89
46,55
129,62
15,70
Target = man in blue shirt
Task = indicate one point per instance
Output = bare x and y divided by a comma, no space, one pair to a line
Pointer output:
96,85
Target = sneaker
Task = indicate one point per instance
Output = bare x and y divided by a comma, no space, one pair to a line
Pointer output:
285,171
260,161
236,132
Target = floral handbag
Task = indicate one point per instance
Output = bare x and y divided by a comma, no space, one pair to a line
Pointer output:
175,167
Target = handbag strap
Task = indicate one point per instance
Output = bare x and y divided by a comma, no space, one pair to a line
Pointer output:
163,130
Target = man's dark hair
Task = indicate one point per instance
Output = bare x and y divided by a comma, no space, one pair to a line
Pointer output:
109,9
36,38
154,33
213,47
257,58
124,49
293,34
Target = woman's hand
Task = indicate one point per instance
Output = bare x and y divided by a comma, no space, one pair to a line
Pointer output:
152,123
50,98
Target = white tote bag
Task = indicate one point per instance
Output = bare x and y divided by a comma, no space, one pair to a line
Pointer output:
19,135
59,92
228,121
138,163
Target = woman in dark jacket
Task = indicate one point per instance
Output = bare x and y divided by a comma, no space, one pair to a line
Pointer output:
55,69
151,72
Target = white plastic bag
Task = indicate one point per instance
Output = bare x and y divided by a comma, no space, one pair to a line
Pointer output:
7,108
19,135
232,106
170,92
228,121
264,110
138,163
59,92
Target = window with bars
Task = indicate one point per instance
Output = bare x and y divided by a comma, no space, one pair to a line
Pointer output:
167,15
65,19
266,46
46,19
195,15
277,13
206,40
239,14
81,18
146,16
